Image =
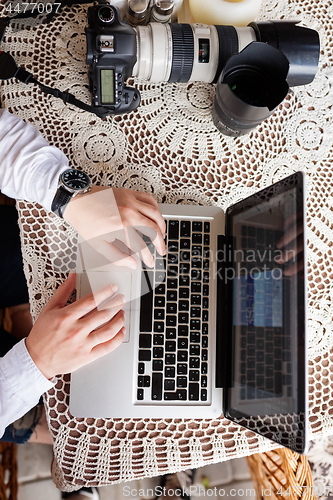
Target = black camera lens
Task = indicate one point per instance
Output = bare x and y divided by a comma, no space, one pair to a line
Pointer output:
252,85
106,14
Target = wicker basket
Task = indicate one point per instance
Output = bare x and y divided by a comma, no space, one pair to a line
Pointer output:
8,471
281,475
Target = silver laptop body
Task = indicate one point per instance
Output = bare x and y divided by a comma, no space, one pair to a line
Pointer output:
108,387
201,342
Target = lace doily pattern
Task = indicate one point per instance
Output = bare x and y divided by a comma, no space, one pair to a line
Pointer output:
171,148
320,456
98,452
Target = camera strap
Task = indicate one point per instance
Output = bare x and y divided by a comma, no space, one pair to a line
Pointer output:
9,68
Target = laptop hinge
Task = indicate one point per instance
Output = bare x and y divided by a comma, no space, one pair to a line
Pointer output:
224,289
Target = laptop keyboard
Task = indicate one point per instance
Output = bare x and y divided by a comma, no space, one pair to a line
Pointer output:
174,315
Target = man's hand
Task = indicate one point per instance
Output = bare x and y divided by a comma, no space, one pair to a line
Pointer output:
107,215
65,338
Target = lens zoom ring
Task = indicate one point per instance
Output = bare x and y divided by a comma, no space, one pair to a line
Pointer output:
182,52
228,46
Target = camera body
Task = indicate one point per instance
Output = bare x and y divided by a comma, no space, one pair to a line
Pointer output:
181,53
111,55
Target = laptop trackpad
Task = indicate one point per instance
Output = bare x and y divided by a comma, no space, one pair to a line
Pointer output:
91,281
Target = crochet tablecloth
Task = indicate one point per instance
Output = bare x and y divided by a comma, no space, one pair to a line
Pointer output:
169,147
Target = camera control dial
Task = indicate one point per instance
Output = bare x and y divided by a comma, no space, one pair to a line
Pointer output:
106,14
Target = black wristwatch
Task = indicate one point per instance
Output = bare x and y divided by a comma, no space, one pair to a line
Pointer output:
71,183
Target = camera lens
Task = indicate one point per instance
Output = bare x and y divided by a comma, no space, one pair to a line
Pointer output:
252,85
106,14
184,52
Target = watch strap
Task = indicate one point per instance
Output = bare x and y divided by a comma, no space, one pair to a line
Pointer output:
60,201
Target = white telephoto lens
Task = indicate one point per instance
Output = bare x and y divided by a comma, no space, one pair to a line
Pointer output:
206,53
187,53
154,58
144,53
245,37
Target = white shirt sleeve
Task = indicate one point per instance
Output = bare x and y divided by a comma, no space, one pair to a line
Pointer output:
21,385
29,166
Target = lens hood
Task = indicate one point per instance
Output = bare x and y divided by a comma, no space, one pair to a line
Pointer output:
300,45
252,84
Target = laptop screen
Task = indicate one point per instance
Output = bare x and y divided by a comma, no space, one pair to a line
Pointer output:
267,385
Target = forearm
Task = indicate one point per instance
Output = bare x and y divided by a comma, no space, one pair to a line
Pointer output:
29,166
21,385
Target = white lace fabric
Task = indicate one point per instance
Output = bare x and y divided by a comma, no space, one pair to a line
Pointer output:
320,456
169,147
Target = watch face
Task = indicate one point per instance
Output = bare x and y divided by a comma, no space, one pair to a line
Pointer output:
75,179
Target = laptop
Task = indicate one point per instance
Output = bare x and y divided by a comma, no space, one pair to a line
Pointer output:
217,326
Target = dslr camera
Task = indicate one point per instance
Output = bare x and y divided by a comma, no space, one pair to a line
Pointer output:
111,56
196,52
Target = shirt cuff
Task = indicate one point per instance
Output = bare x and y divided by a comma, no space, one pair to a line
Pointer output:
52,183
22,375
